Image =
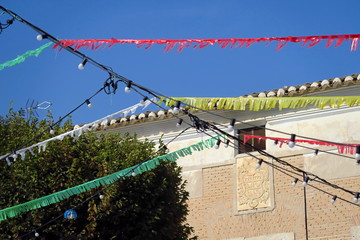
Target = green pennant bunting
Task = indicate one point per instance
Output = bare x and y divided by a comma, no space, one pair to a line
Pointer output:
106,180
22,58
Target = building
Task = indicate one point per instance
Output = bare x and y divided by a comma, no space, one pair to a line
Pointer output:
231,199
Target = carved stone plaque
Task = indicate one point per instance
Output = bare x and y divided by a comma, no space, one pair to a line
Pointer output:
253,185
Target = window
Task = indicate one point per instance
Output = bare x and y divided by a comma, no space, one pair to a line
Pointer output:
259,144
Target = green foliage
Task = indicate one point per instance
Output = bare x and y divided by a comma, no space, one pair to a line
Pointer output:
152,205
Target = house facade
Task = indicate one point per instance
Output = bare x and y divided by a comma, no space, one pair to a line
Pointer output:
232,199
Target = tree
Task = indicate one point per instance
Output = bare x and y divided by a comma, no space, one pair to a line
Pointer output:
152,205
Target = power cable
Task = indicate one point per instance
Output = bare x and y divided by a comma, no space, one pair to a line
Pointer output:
106,187
127,81
87,101
206,125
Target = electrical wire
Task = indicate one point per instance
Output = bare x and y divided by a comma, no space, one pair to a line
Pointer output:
315,149
126,81
54,124
262,152
106,187
156,94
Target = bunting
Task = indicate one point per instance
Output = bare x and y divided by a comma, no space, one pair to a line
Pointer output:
180,44
265,103
41,146
342,148
106,180
21,58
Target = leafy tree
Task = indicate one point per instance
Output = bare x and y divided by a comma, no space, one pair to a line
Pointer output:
152,205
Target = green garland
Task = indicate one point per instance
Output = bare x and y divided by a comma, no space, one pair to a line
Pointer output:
22,58
265,103
106,180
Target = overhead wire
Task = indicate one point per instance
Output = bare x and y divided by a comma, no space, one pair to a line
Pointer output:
51,126
156,94
262,152
126,81
97,193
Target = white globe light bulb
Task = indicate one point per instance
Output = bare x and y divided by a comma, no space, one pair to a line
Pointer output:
291,144
176,110
127,89
81,66
39,37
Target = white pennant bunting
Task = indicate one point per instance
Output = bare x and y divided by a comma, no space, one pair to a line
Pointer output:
76,133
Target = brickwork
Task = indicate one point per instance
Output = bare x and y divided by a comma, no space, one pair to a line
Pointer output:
213,215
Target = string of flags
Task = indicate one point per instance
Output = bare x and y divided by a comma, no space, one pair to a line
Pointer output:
263,103
180,44
21,58
106,180
75,133
342,148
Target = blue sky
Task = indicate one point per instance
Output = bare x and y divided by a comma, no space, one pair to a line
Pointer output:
209,72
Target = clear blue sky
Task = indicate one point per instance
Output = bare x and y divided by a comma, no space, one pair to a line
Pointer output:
209,72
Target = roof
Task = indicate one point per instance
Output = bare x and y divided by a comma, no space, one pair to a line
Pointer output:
287,91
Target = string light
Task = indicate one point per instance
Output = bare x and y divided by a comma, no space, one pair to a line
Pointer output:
227,143
294,182
81,65
101,196
41,37
128,87
87,101
176,109
357,155
356,198
217,145
52,130
133,173
294,144
142,101
305,182
37,234
7,24
94,195
316,152
291,144
238,132
333,199
178,124
166,149
231,125
258,165
109,70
